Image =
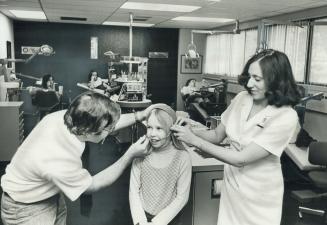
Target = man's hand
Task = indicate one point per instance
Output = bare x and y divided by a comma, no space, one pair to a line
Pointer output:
140,148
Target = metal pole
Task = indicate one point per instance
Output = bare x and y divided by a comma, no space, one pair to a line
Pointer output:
130,41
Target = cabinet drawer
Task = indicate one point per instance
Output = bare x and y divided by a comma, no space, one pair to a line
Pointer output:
21,114
21,125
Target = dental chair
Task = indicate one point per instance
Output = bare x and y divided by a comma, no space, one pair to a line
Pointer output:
317,155
45,101
216,94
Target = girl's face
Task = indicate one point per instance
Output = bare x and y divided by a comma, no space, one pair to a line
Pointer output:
158,136
192,83
50,83
94,76
256,83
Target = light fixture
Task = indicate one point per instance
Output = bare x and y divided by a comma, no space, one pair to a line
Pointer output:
159,7
112,58
191,51
202,19
25,14
45,50
127,24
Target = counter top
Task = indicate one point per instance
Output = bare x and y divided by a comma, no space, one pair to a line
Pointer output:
10,104
200,164
300,157
84,85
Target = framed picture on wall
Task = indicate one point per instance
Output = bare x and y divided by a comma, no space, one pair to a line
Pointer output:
191,65
9,65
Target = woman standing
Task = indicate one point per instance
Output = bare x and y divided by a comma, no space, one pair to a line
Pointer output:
258,124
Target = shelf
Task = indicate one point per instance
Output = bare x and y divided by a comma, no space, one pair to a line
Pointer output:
131,61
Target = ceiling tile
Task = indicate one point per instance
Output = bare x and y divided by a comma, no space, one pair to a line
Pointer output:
97,11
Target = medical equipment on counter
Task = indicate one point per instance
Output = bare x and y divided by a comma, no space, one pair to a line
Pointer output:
132,91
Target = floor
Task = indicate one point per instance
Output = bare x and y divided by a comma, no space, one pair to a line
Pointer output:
110,206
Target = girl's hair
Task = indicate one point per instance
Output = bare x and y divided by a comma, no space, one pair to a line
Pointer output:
88,111
90,74
45,80
167,122
278,77
188,82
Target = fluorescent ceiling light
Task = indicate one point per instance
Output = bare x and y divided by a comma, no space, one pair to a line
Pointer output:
127,24
159,7
203,19
28,14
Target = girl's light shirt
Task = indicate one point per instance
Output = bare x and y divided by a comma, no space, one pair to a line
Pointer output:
169,212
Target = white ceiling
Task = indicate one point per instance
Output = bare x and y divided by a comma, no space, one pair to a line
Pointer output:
99,11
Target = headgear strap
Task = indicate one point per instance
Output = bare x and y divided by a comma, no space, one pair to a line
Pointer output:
168,110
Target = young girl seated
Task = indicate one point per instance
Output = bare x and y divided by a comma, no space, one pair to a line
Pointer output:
96,82
160,182
190,93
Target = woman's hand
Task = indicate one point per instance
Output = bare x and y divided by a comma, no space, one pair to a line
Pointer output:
140,148
183,121
184,133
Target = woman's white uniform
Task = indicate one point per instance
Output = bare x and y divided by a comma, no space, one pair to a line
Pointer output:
253,194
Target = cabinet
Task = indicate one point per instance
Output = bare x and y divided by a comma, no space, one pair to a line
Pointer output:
12,128
203,204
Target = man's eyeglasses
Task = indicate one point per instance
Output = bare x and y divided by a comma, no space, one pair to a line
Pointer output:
106,129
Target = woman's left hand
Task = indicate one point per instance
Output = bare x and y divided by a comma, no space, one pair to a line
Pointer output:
184,133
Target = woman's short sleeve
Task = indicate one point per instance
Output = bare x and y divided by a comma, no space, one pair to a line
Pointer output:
277,132
236,100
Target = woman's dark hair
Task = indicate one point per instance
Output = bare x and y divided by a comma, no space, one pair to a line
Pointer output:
88,111
188,82
45,80
90,74
278,77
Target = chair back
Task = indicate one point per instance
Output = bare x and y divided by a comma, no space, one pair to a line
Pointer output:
28,107
45,100
318,153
